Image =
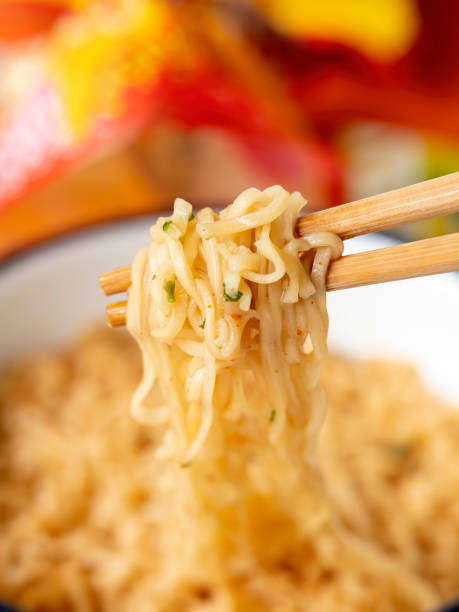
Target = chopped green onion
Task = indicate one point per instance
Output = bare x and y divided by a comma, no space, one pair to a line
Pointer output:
169,288
231,297
166,225
272,416
203,324
191,217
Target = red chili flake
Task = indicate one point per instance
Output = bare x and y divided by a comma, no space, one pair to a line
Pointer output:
299,332
236,316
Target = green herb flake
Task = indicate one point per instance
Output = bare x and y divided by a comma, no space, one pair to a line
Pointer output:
191,217
231,298
186,464
166,225
272,416
203,324
169,288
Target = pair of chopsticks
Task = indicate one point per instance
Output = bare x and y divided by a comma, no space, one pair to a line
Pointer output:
439,196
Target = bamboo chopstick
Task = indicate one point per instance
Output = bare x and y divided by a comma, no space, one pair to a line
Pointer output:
116,280
439,196
419,258
115,314
409,260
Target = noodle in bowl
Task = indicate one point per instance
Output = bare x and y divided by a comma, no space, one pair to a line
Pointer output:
352,318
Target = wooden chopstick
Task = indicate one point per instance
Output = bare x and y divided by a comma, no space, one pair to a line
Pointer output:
438,196
419,258
409,260
116,280
115,313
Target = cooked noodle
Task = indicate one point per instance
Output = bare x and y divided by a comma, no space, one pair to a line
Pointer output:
232,325
217,495
84,526
206,333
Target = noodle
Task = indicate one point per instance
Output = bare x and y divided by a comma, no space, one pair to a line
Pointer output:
84,528
219,494
189,293
239,391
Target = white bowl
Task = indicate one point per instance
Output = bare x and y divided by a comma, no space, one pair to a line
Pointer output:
51,292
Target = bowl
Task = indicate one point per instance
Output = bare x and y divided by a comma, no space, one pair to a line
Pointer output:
50,293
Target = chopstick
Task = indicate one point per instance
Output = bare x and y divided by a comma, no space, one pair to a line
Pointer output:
406,205
115,314
439,196
116,280
409,260
419,258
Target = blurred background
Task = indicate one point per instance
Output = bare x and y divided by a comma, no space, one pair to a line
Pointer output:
112,108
